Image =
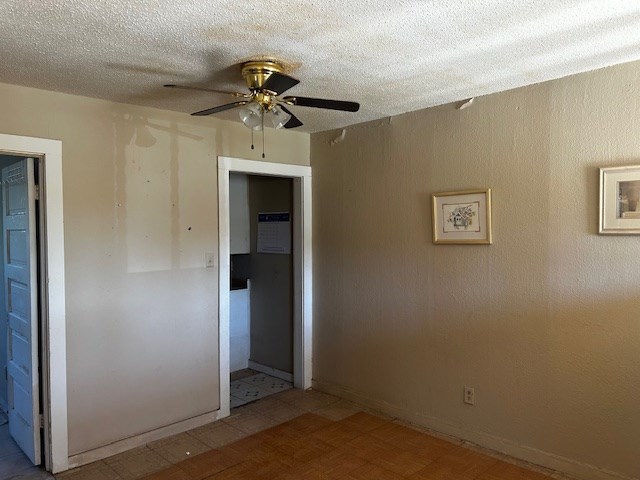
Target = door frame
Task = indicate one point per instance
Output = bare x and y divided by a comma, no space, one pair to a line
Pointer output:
302,266
53,350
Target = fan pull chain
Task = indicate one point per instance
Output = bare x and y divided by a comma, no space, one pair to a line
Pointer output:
252,147
262,134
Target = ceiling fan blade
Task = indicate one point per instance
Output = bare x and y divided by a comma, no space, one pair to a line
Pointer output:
210,90
220,108
293,121
323,103
279,83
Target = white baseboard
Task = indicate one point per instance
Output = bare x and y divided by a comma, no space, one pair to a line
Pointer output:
484,439
142,439
274,372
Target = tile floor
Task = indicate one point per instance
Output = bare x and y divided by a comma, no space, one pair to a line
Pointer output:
248,386
307,435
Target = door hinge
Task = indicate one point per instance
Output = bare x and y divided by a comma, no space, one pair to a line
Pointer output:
37,192
41,421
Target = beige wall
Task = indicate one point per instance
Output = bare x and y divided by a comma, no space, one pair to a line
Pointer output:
141,307
271,279
544,323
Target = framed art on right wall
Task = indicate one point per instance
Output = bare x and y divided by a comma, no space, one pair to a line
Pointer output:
620,200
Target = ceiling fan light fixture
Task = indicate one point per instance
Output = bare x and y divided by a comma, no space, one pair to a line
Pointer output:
251,116
278,117
267,82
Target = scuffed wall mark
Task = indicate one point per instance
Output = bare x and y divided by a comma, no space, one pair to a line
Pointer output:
174,182
339,138
122,136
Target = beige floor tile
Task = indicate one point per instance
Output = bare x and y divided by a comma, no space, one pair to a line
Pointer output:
379,414
262,405
137,463
289,395
178,447
338,441
172,473
305,425
269,407
339,410
278,435
283,412
250,423
94,471
311,400
217,434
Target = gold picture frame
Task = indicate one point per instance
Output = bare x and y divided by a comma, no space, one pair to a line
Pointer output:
462,217
619,200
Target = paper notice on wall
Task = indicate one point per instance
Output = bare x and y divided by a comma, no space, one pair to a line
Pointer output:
274,232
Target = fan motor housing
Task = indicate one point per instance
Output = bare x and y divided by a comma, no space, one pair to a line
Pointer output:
256,73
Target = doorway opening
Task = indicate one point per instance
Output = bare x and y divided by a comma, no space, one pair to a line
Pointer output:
22,359
274,341
261,294
33,310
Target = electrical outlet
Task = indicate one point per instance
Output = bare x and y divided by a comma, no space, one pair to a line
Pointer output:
469,396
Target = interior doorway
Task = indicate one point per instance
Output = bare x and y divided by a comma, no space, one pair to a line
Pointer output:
299,221
21,360
34,300
261,295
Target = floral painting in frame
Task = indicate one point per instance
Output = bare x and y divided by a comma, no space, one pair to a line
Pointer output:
462,217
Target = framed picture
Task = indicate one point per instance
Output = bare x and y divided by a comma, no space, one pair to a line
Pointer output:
462,217
620,200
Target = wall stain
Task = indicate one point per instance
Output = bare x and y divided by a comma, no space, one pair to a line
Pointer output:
174,182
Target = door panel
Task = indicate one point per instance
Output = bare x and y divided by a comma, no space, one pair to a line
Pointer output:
18,194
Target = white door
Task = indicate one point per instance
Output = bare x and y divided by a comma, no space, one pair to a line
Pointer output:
18,202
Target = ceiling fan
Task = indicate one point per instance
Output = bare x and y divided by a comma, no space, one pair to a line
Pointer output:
266,84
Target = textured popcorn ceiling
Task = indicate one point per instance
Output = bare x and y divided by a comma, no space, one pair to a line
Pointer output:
392,57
